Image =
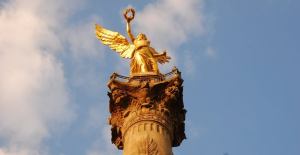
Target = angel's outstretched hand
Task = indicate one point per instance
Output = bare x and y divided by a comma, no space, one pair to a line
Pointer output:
162,58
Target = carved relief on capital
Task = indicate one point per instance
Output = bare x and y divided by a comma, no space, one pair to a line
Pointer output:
159,101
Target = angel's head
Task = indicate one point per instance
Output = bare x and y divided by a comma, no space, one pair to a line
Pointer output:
141,36
141,40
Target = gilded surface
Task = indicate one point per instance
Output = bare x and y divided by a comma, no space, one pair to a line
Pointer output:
143,57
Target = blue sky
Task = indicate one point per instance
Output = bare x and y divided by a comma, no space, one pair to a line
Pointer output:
239,60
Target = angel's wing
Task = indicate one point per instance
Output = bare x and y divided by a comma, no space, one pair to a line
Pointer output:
115,41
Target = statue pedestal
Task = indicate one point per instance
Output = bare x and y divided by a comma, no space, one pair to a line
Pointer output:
147,113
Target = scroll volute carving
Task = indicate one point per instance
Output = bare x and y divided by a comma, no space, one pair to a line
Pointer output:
118,103
172,99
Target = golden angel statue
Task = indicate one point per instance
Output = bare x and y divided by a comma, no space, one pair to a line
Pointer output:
143,57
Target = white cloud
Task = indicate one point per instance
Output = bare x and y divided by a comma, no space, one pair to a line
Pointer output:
210,52
81,41
34,101
189,66
168,24
85,51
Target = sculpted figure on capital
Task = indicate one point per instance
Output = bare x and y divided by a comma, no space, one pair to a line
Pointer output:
143,57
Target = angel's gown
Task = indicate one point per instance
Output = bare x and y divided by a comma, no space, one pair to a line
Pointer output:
143,62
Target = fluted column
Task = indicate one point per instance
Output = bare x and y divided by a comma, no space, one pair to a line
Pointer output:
147,133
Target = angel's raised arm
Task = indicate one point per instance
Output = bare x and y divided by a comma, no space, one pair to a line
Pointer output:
128,28
129,18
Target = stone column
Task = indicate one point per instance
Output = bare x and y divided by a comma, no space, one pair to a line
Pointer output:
147,113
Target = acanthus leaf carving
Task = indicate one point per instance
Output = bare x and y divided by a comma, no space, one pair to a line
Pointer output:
148,147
